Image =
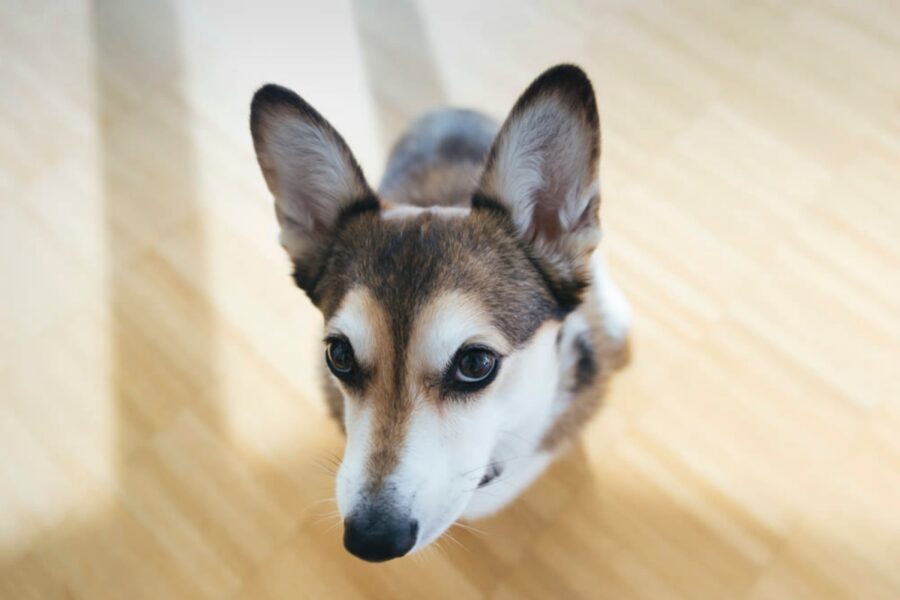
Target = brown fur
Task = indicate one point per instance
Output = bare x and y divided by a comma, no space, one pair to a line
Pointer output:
391,407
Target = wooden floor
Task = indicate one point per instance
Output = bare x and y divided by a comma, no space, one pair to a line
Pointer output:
161,432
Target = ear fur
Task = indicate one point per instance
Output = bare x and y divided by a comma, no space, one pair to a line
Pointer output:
542,169
307,167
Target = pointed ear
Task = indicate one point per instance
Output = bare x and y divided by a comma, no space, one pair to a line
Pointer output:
308,168
542,169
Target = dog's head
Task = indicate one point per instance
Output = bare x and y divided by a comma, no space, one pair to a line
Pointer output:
441,324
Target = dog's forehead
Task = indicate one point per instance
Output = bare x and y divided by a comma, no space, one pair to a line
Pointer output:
449,320
408,262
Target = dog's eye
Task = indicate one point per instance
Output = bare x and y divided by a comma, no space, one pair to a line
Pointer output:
472,369
475,365
339,356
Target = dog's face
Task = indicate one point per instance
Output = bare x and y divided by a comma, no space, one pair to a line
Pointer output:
441,324
438,331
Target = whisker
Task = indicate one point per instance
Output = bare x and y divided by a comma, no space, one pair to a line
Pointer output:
519,436
324,518
337,522
450,537
330,513
495,463
439,547
481,491
491,483
468,527
324,467
321,501
494,482
427,553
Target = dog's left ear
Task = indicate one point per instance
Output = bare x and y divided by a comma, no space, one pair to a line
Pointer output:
309,169
542,169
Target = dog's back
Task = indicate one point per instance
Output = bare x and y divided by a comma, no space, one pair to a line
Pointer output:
438,159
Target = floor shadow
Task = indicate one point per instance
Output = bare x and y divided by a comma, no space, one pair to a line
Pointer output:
161,329
150,192
401,69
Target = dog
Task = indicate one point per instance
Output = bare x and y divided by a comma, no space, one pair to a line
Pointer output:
471,324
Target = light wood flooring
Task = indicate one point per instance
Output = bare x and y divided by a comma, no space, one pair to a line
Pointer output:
161,435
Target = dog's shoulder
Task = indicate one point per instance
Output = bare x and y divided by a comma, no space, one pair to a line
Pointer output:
593,344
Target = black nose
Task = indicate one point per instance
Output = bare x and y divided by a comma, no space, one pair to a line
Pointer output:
378,537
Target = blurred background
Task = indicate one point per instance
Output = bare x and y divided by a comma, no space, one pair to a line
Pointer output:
161,428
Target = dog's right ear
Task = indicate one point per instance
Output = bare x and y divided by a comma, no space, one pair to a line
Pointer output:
308,168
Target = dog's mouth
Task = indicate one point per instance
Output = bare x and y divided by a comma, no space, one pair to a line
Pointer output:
493,472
